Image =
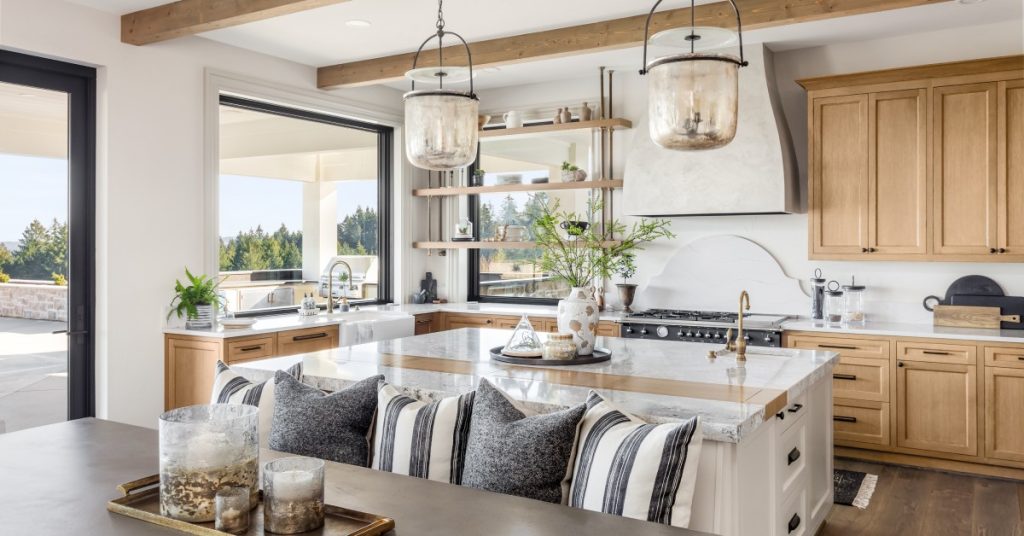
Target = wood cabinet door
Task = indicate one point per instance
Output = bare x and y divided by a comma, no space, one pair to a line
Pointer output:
964,169
1004,413
425,323
937,407
189,369
1011,168
839,175
898,172
457,321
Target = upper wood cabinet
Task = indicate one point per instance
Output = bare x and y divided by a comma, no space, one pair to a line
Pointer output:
924,163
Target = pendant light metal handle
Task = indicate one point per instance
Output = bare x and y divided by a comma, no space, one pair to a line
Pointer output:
441,32
647,30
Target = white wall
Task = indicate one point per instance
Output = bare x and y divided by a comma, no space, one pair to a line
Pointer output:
150,175
896,288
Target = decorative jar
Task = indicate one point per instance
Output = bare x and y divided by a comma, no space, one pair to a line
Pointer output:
203,449
233,505
293,495
560,346
578,315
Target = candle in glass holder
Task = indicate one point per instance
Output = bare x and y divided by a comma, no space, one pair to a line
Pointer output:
293,491
232,510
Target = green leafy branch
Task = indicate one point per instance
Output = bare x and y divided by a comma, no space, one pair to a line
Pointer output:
201,290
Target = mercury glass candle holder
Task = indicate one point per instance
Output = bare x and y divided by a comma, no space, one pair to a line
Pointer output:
203,449
233,510
293,495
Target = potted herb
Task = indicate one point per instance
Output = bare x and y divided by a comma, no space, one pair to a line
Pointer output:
196,302
584,256
626,268
571,173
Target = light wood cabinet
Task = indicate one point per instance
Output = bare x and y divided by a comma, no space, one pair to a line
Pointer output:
937,407
860,421
457,321
924,163
1004,413
426,323
300,341
541,324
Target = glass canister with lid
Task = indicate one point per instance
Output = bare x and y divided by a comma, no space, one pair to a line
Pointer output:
834,304
854,313
560,346
817,296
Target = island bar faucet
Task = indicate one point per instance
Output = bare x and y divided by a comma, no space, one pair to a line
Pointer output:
740,345
330,286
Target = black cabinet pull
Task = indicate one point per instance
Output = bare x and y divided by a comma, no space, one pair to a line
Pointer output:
842,418
249,348
794,522
1020,357
865,250
935,352
993,250
1002,250
837,347
794,455
781,415
795,408
311,336
899,364
851,377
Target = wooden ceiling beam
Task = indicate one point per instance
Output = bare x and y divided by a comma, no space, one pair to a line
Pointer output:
189,17
605,35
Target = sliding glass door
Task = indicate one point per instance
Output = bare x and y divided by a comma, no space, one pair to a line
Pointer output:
47,228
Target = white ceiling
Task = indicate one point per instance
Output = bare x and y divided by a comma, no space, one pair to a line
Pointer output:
320,37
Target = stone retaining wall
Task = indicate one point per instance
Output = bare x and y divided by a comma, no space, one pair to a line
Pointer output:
37,302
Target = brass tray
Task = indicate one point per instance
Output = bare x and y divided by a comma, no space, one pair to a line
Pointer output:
141,500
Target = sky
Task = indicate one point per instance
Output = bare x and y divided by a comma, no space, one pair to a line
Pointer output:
36,188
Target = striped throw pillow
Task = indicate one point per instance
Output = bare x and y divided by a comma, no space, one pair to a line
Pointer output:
231,388
627,467
415,438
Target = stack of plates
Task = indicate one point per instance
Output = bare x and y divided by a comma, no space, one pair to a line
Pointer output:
237,323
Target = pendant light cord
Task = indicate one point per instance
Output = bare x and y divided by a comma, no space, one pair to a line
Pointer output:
693,25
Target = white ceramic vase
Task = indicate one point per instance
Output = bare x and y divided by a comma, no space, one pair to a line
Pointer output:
578,314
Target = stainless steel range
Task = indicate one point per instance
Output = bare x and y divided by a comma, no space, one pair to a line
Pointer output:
701,326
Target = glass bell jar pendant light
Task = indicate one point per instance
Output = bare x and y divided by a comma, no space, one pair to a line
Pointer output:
441,124
693,97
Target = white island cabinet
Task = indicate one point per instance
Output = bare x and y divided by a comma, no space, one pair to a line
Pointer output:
766,461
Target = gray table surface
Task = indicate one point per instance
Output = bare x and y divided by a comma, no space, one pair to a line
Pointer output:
57,480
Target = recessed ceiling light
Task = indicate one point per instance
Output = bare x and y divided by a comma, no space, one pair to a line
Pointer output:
358,23
969,2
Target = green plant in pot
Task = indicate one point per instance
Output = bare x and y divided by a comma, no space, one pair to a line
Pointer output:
583,257
572,173
196,301
626,268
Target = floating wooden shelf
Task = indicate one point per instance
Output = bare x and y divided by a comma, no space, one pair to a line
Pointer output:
614,123
501,188
485,245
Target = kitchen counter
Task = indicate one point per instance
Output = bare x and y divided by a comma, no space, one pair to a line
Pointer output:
658,380
893,329
290,321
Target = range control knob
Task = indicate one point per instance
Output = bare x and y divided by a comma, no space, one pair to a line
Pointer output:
662,331
767,337
688,333
707,334
746,337
629,330
643,331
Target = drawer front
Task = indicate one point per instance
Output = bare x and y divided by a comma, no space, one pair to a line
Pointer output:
469,321
250,348
301,341
869,348
792,519
607,328
510,322
1005,356
861,421
791,459
425,323
934,352
792,414
862,379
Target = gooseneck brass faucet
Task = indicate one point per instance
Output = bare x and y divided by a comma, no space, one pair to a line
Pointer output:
330,286
741,343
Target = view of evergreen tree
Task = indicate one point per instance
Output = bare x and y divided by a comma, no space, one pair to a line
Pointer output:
357,233
41,252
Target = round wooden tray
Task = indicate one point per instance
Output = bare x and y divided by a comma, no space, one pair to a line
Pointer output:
599,355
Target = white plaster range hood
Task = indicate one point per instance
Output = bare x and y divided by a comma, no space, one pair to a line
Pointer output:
755,174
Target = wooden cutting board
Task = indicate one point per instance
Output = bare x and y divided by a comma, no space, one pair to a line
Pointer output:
966,316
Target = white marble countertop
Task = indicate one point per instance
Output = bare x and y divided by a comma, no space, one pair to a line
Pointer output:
658,380
289,321
892,329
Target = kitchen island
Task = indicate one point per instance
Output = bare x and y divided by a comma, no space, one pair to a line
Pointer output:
766,467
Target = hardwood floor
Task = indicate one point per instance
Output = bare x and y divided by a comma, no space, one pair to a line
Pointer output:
911,502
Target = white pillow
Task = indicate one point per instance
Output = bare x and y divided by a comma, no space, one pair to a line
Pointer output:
416,438
231,388
627,467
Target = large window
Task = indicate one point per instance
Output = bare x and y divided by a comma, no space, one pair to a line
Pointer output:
299,191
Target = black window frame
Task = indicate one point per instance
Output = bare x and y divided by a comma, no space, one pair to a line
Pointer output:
473,267
385,148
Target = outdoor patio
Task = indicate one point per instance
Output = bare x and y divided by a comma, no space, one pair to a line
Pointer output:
33,373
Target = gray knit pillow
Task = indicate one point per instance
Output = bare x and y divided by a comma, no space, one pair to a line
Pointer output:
515,454
335,426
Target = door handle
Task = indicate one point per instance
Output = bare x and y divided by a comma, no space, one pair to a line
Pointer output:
794,522
794,455
311,336
69,333
851,377
843,418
